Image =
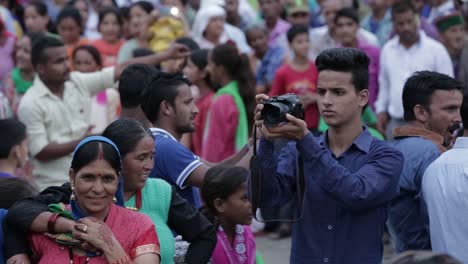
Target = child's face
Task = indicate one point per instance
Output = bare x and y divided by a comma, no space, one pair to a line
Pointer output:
237,207
192,72
110,28
33,21
23,53
69,30
84,62
300,45
258,40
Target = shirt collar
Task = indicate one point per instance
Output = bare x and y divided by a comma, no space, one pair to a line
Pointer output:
40,88
461,142
362,142
162,132
421,41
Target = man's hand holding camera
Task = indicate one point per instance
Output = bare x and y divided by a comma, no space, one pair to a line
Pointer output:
294,128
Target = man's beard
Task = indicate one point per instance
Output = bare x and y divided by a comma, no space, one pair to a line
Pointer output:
185,129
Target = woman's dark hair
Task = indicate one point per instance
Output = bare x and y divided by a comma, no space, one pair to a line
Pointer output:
71,12
147,7
238,68
109,10
13,190
126,133
91,50
12,132
221,182
420,87
349,60
40,7
200,59
89,152
124,12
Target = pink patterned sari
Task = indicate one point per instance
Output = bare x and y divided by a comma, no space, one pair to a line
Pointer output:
134,231
241,252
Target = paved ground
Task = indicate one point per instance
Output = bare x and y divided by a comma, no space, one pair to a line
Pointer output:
277,251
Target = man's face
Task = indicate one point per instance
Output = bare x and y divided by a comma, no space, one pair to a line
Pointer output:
269,8
453,37
406,26
338,102
444,111
330,7
346,30
185,110
232,6
56,69
257,39
300,45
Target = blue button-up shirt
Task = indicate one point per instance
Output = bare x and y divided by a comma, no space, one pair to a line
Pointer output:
345,203
408,222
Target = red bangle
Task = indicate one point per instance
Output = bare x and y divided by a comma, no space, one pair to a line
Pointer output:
51,223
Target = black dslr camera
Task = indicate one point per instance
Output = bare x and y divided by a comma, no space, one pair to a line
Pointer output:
275,109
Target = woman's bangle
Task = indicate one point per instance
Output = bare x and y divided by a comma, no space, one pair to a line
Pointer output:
51,222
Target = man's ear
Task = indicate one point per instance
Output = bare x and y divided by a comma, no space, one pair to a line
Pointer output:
166,108
363,98
421,113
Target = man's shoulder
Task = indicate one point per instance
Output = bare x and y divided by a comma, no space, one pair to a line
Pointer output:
414,145
380,146
390,45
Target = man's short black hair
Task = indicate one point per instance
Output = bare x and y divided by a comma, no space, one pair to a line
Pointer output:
296,30
12,133
349,60
464,110
400,7
347,12
162,87
418,90
189,42
39,47
132,83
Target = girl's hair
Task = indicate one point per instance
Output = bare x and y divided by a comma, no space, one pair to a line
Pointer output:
91,50
238,67
89,152
109,10
40,7
147,7
71,12
126,133
200,59
221,182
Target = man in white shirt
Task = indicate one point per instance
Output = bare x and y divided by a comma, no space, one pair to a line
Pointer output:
445,191
56,109
409,51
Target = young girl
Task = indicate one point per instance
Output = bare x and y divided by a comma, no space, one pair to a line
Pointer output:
21,77
230,117
105,105
196,72
224,191
36,18
69,27
110,27
139,16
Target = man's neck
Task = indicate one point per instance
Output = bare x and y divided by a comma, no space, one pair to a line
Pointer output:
234,19
410,44
7,166
260,54
340,139
353,44
56,89
27,74
271,22
379,14
163,124
300,63
135,113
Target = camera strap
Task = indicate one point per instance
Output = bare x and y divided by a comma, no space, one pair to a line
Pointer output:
256,184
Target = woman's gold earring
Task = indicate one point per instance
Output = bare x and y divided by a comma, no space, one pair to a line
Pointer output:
114,199
73,197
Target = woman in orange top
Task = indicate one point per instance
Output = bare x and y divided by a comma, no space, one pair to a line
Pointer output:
70,27
110,27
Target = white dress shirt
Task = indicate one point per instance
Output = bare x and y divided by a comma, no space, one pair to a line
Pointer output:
445,190
398,63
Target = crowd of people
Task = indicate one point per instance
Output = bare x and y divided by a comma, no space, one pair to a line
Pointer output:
134,131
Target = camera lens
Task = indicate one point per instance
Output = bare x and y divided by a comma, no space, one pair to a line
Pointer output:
274,113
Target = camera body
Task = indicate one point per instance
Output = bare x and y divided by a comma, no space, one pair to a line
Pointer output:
275,109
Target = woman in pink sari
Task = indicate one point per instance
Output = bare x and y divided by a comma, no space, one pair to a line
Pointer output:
224,191
105,232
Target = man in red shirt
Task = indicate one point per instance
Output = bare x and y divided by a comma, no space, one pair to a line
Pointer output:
299,75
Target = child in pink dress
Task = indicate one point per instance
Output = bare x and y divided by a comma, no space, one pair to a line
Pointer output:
224,192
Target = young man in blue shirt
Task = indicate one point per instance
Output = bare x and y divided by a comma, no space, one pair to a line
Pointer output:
350,176
170,107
